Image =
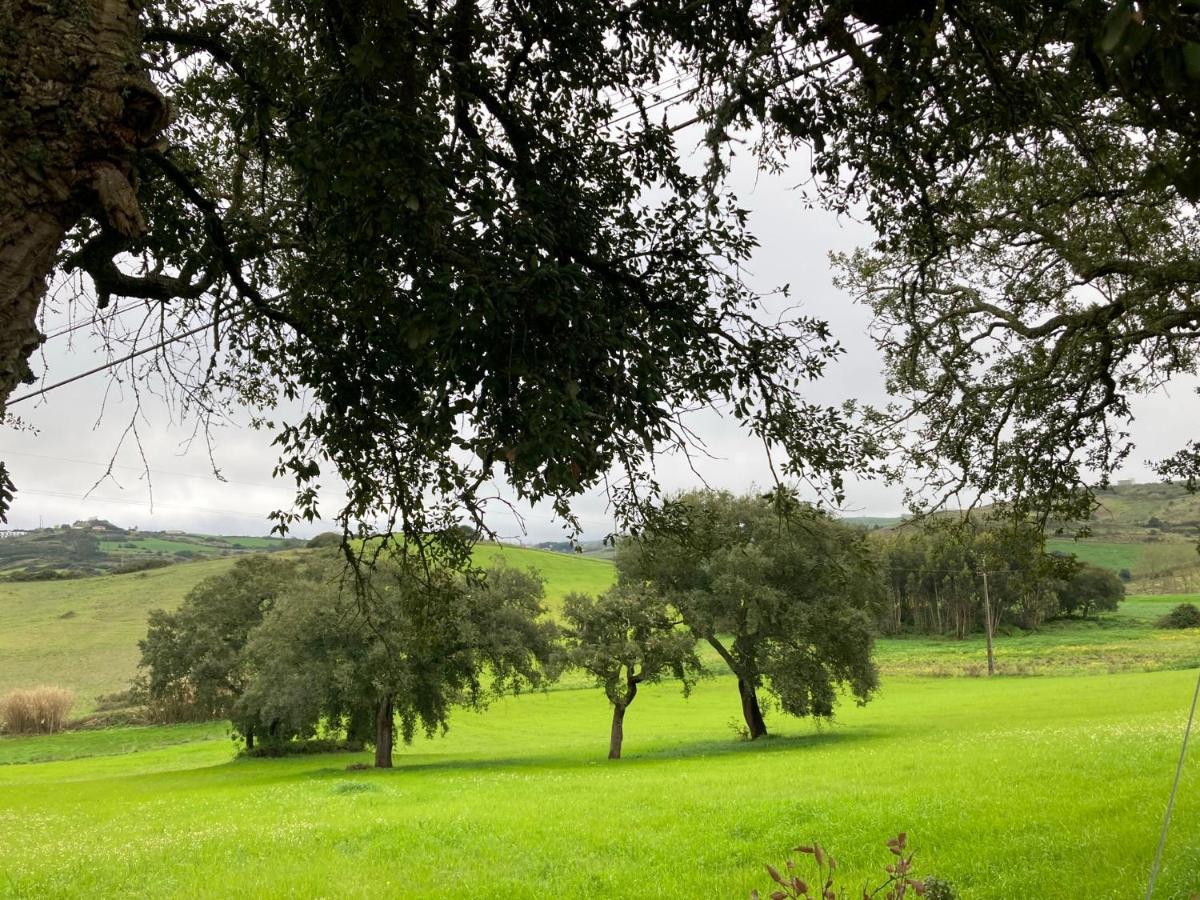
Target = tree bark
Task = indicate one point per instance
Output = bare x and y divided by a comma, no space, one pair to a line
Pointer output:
385,726
77,107
618,731
751,711
617,736
250,738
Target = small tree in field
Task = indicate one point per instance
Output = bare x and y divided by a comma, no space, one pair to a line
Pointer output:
404,646
625,639
1091,590
784,594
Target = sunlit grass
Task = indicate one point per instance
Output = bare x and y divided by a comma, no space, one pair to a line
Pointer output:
1011,788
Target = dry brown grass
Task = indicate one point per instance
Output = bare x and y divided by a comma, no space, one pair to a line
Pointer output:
37,710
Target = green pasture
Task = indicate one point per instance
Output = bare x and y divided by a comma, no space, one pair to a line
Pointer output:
1118,642
1011,788
156,545
1112,556
82,634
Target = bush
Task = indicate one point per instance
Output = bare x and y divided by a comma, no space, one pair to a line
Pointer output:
325,539
46,575
271,748
1125,575
38,710
1185,615
139,565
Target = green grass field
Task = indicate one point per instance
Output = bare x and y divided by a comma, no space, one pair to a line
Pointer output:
1011,788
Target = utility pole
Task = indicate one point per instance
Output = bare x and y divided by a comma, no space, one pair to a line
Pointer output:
987,622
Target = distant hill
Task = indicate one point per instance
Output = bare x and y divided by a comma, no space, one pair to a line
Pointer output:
1148,533
98,547
1129,510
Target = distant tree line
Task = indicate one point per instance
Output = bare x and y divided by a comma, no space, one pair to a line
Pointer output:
936,574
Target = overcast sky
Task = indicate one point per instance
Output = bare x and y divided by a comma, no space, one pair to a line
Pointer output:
68,444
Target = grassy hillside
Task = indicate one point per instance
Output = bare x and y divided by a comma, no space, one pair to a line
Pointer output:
1009,788
82,633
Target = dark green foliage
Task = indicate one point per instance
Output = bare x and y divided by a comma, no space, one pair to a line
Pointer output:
193,658
274,749
407,645
795,592
625,638
934,573
1185,615
1125,575
430,220
139,565
1090,590
325,539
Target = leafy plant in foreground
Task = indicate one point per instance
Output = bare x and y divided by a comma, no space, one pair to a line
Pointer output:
899,883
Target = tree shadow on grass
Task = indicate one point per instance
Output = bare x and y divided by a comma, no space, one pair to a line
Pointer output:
692,750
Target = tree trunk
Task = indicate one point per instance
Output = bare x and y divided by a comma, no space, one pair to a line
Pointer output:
618,731
751,711
384,733
250,738
78,108
618,723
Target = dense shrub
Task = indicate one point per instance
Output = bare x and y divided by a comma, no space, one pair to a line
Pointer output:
269,748
325,539
1185,615
1125,575
139,565
38,710
46,575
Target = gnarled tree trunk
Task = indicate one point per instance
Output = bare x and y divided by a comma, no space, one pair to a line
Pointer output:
617,736
76,108
751,711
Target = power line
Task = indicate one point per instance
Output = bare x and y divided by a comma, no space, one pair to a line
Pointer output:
116,362
130,502
151,472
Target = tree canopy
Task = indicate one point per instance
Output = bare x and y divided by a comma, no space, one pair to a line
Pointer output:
408,648
194,658
786,596
461,232
466,234
626,638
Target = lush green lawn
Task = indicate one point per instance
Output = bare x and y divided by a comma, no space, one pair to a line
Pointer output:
1011,788
564,573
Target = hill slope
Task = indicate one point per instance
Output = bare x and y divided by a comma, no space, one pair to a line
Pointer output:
82,633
